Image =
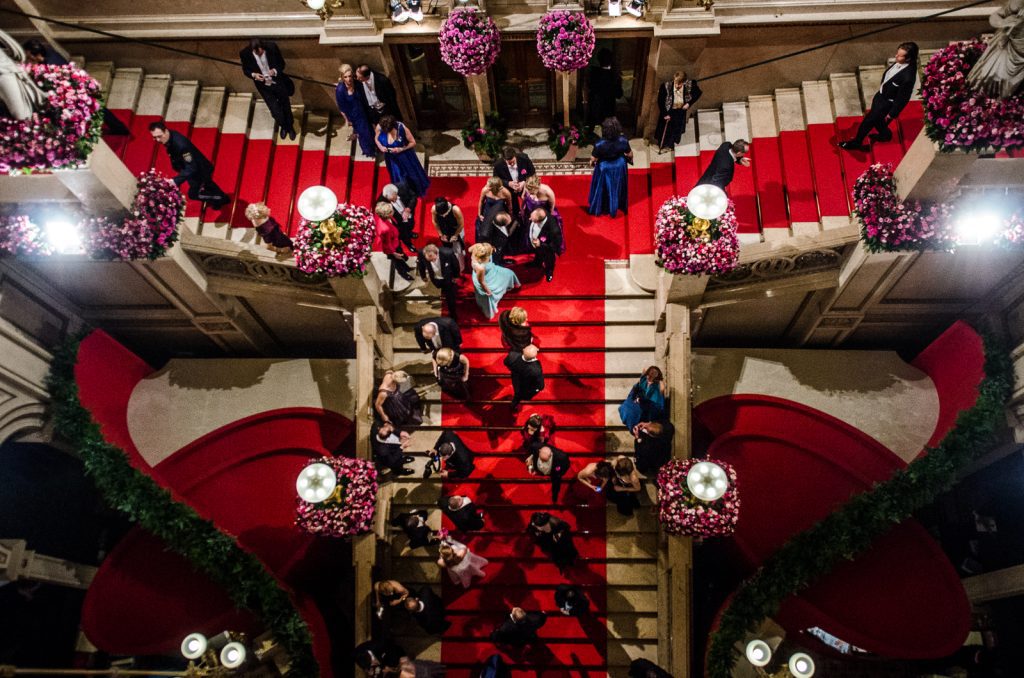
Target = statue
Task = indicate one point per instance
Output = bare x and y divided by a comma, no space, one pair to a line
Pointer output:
18,93
1000,70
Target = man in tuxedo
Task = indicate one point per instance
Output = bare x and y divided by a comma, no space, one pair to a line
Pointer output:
604,87
552,462
571,600
427,609
377,94
652,445
892,96
527,374
388,446
434,333
514,168
377,656
403,201
453,455
191,165
462,512
519,629
440,266
545,240
496,228
414,524
723,164
262,61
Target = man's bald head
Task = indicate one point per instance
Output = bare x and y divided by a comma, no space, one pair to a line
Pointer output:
530,352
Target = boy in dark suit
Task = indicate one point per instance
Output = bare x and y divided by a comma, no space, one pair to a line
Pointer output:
545,238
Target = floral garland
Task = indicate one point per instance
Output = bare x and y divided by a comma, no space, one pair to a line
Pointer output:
62,134
150,228
487,140
20,236
682,513
562,137
958,117
470,41
1013,232
337,246
353,511
565,40
695,247
889,224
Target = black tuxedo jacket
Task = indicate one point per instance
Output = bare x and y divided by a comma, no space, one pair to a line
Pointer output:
465,519
387,653
645,668
385,454
521,633
559,467
898,90
527,377
432,617
449,270
407,196
523,164
652,453
460,464
550,234
719,172
580,605
447,329
666,97
274,60
385,92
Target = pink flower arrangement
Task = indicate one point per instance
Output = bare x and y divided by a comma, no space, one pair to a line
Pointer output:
337,246
470,41
682,513
353,513
685,247
565,40
889,224
149,229
62,134
1012,232
19,237
958,117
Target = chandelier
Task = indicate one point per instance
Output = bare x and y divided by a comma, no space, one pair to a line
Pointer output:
324,8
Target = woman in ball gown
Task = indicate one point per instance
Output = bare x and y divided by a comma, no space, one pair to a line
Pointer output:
397,401
490,281
516,332
268,227
554,537
352,108
646,400
608,184
493,193
461,563
537,194
452,371
397,144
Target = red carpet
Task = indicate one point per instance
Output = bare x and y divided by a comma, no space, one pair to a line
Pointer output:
767,167
252,187
799,182
828,172
519,573
227,169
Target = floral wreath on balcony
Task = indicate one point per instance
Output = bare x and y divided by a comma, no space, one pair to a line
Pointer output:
888,224
959,117
692,246
350,510
681,513
470,41
63,133
565,40
148,230
337,246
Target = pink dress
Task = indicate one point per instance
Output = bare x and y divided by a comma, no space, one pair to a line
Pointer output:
471,566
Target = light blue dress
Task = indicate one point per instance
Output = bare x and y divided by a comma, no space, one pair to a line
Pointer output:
500,280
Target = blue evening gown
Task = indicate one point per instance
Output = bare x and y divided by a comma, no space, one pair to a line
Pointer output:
608,185
404,166
352,107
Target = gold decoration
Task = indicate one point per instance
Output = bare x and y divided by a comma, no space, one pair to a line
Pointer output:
699,229
332,234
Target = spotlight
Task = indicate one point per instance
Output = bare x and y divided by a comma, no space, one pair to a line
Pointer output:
614,7
233,655
801,665
977,228
64,237
193,646
317,203
316,482
636,8
758,653
707,202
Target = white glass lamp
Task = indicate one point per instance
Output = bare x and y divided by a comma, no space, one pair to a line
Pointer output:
707,202
315,5
317,203
707,481
758,652
316,482
801,665
233,655
193,646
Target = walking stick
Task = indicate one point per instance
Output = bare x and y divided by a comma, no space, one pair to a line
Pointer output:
664,132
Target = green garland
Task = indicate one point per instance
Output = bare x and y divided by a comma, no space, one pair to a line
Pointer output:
851,529
136,495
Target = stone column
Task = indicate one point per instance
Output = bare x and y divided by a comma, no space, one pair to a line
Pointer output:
480,93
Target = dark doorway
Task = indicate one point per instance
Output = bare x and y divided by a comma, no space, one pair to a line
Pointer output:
523,88
440,96
629,55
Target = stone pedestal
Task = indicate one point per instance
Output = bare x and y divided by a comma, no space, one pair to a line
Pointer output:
927,174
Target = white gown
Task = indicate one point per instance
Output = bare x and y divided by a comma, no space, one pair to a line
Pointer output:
471,566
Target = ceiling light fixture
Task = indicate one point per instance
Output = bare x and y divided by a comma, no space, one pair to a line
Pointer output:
801,665
707,481
758,652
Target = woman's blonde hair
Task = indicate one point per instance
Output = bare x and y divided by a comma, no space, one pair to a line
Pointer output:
517,315
494,185
400,376
532,183
384,209
256,211
444,356
345,68
482,251
446,551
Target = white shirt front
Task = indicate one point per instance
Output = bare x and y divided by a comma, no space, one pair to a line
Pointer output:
501,227
392,439
890,73
535,228
435,266
543,467
371,95
261,61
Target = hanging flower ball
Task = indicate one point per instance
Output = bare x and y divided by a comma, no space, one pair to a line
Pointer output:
470,41
565,40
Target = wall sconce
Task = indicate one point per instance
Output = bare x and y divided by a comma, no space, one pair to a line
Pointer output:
324,8
204,658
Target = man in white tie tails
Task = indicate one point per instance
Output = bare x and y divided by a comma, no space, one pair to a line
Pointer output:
892,95
545,240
